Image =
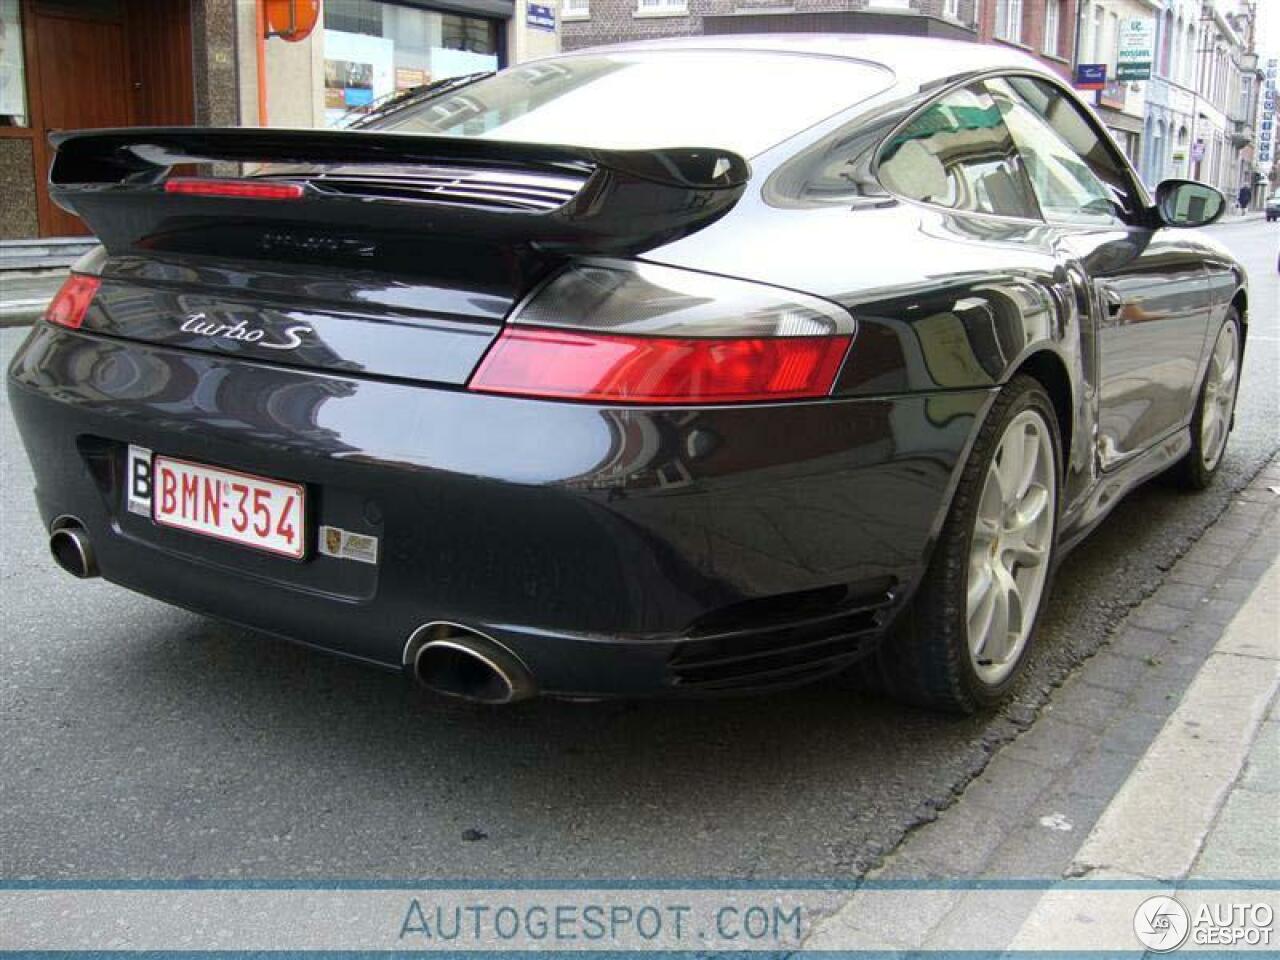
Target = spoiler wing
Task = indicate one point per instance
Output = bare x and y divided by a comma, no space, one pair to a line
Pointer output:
628,201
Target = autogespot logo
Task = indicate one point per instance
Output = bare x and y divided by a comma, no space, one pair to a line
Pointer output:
1161,923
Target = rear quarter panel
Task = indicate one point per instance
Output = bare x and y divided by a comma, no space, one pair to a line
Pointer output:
944,301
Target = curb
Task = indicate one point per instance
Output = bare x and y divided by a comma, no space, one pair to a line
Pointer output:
1157,822
24,294
21,314
1156,825
1029,816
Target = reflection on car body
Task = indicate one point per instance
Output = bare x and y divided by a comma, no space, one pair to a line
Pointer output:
687,367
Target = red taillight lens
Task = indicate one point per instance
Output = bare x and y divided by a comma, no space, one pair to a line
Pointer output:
245,189
71,302
544,362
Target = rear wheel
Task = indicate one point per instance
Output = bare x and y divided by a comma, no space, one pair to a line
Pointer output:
965,638
1215,408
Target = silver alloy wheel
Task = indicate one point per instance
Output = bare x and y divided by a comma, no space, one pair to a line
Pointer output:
1219,394
1009,555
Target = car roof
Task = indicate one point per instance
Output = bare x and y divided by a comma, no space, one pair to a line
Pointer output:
917,59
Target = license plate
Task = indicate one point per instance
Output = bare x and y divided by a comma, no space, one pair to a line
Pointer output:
225,504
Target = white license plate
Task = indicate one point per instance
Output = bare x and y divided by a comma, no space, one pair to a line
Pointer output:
239,507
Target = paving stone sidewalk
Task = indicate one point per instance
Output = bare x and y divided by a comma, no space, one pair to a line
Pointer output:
1028,814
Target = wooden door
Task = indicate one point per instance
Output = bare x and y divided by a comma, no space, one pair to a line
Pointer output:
159,38
83,77
104,63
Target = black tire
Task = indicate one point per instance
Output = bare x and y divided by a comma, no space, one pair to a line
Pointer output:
925,660
1192,472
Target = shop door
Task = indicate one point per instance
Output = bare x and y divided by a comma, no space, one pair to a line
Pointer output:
107,63
83,76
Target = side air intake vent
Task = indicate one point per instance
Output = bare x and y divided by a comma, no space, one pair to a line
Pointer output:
809,636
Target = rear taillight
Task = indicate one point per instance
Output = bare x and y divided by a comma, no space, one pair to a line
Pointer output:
659,370
240,189
71,302
626,332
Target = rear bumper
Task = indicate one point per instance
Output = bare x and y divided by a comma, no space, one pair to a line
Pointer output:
614,551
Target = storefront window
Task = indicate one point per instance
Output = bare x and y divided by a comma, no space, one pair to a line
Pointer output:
373,50
472,34
13,81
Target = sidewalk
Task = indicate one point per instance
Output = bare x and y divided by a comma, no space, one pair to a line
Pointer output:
1157,762
1231,217
1186,809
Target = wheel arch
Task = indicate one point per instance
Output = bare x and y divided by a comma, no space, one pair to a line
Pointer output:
1049,369
1241,302
1046,366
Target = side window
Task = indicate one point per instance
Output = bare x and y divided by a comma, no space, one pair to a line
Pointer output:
1062,114
958,153
1064,185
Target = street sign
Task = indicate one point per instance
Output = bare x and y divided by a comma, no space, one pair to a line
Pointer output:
1266,121
540,17
1197,151
1091,76
1137,49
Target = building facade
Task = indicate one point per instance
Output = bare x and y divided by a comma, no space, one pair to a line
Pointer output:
1203,99
68,64
364,51
1043,28
589,23
1171,92
1122,104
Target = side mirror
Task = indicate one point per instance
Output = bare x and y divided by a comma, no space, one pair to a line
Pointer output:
1186,203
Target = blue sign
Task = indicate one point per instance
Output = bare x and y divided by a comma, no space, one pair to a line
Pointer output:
543,18
1091,76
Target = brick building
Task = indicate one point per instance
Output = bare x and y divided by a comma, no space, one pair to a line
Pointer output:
1044,28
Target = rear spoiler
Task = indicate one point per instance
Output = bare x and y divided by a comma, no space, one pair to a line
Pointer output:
629,200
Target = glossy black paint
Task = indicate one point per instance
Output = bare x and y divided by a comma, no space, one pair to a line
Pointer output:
554,526
623,201
615,550
408,330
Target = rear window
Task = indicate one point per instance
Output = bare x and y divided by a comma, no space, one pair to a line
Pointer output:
740,101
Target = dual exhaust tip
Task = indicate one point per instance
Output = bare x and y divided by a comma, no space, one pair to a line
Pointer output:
447,658
72,549
457,661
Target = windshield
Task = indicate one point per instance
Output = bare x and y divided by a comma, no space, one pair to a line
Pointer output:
739,101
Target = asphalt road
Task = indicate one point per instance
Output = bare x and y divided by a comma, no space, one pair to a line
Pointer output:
140,741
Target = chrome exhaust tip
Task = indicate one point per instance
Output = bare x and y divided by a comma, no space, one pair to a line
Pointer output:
72,550
456,661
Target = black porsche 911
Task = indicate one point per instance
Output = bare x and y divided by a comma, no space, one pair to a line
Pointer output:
692,366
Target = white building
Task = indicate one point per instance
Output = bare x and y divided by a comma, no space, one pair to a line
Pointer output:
1122,105
1202,99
